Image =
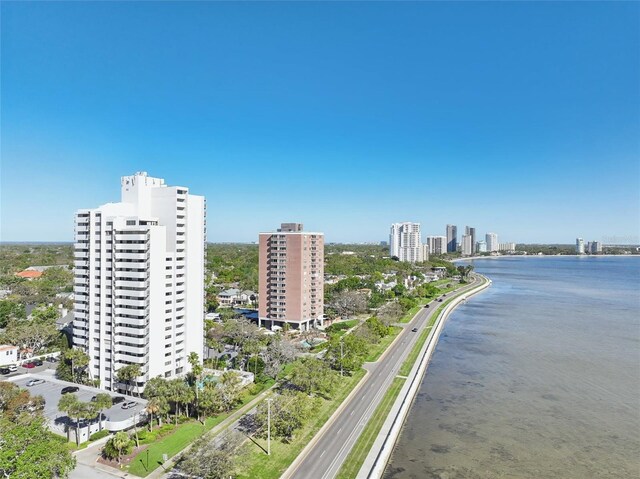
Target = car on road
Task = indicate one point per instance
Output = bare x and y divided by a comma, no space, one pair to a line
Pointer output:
70,389
4,371
29,365
51,359
118,399
35,382
426,305
128,405
440,300
415,330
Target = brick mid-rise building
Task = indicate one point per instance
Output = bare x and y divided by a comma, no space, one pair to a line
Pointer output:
291,278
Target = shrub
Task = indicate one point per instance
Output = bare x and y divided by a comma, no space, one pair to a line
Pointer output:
98,435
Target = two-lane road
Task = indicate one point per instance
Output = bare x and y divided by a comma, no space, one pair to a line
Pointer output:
324,460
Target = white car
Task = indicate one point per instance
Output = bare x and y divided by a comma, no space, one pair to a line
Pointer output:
128,404
35,382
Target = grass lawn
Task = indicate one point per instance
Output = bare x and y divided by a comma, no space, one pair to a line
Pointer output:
255,463
358,454
377,349
183,435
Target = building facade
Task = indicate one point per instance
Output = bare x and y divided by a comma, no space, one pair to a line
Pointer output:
405,242
467,245
579,246
291,278
139,282
452,238
471,232
492,242
481,246
507,247
437,244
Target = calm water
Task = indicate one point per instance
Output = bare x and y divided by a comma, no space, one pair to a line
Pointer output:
537,377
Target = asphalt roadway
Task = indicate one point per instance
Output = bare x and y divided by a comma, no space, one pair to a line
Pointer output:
325,459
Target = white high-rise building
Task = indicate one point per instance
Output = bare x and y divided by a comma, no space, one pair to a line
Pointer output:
139,281
467,245
481,246
437,244
579,246
492,242
405,242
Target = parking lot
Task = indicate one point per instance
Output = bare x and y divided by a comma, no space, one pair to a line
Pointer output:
115,417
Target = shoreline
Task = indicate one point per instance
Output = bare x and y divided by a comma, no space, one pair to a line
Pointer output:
457,260
378,457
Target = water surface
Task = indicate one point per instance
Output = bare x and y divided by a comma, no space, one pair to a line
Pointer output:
537,377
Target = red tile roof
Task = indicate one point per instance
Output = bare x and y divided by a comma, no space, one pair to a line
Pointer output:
29,274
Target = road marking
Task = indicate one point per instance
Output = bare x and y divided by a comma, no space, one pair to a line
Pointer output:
323,453
340,429
351,413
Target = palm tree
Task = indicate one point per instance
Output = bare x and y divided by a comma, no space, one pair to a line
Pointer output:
117,444
128,373
67,404
103,401
196,371
153,407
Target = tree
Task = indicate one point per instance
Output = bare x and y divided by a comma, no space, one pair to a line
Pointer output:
154,406
289,412
103,401
118,446
350,357
34,335
346,303
73,363
210,402
77,409
11,311
29,450
230,385
312,375
196,372
206,461
276,355
16,402
127,374
390,312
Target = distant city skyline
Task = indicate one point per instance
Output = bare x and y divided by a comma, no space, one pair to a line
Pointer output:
518,118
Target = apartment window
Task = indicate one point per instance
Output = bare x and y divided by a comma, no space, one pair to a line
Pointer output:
131,222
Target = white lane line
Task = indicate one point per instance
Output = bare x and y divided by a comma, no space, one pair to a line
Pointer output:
323,453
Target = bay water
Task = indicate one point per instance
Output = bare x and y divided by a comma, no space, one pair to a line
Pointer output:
537,377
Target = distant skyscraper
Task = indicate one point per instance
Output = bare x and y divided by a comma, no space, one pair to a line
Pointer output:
452,238
405,242
467,247
139,282
437,244
579,246
492,242
507,247
596,247
291,278
471,232
481,246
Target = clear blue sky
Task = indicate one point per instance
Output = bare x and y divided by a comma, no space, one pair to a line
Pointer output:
517,118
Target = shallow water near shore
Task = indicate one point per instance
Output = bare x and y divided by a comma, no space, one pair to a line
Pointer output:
537,377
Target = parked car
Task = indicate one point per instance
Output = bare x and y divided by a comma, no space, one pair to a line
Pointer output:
128,405
4,371
51,359
70,389
38,362
29,365
118,399
35,382
415,330
12,367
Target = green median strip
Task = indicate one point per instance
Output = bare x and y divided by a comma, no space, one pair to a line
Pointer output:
377,349
363,445
255,463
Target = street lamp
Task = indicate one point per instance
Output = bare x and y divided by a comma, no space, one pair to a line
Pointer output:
341,355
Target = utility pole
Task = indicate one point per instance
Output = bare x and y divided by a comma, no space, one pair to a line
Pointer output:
269,426
341,356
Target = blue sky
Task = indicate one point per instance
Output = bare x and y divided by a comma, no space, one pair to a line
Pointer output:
518,118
